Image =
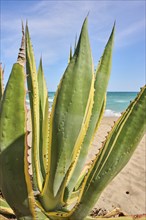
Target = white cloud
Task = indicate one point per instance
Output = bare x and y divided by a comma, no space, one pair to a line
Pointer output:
53,26
128,35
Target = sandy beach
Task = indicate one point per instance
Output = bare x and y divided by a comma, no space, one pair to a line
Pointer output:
128,190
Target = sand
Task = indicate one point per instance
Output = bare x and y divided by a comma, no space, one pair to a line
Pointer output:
128,189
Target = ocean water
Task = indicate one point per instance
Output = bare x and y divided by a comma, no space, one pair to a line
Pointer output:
116,102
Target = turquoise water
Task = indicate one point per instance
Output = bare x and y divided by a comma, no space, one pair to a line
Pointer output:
117,102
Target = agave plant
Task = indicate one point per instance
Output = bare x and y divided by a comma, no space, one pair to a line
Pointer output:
61,187
1,81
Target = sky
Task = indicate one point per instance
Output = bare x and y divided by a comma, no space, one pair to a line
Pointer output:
54,26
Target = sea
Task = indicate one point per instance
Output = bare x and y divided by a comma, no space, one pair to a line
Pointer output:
116,102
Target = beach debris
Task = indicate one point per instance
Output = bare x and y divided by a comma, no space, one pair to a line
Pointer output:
46,178
98,212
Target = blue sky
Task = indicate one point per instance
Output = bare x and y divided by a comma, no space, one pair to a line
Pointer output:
53,26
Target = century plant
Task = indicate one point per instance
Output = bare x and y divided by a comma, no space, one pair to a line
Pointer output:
1,81
61,186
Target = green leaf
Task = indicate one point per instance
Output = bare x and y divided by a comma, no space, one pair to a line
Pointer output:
70,54
44,120
69,118
34,106
100,85
115,154
1,82
15,180
5,208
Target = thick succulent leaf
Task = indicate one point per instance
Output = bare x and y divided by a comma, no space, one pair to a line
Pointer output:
44,123
2,217
70,54
34,106
1,82
116,152
102,76
5,208
15,180
70,115
100,116
81,178
75,44
86,167
41,215
73,199
100,85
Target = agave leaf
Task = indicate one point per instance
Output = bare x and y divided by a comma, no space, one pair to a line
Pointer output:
75,44
70,116
5,208
1,81
116,152
86,167
34,106
15,181
44,123
41,215
70,54
102,76
81,178
73,199
100,85
2,217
